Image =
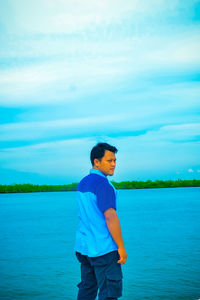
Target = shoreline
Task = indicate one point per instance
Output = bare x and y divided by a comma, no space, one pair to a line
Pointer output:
124,185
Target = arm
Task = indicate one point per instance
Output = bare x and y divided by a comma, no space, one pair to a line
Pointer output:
113,224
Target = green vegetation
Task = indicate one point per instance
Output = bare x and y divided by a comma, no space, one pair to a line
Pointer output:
156,184
30,188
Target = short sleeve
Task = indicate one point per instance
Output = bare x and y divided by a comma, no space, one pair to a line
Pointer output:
106,197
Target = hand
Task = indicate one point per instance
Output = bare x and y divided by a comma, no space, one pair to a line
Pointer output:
122,255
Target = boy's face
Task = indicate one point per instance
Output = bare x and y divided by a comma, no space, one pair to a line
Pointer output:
107,163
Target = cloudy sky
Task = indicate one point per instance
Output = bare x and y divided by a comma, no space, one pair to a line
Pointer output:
74,73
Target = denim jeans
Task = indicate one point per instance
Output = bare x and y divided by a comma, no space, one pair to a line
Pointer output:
102,274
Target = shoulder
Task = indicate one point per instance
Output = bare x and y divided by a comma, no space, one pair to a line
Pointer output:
92,182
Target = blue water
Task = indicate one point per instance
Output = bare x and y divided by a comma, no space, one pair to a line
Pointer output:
161,229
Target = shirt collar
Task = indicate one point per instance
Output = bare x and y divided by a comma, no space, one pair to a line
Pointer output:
95,171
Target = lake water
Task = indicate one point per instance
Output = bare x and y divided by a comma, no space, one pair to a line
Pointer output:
161,229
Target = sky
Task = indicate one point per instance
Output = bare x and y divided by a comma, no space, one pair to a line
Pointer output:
75,73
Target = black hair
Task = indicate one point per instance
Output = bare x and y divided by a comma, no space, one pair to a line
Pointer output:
98,151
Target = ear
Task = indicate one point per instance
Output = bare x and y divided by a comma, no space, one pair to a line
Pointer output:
96,162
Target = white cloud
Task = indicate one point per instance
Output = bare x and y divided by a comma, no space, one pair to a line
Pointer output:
174,133
61,158
100,58
136,159
36,75
51,63
43,83
93,72
190,170
67,127
23,82
181,51
46,16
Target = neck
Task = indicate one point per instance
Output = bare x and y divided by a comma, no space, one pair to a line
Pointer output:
96,168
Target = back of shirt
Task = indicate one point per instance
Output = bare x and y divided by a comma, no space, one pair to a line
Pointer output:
95,195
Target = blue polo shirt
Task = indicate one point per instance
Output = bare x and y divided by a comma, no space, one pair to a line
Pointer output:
95,194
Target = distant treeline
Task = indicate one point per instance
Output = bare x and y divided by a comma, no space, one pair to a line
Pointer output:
31,188
156,184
